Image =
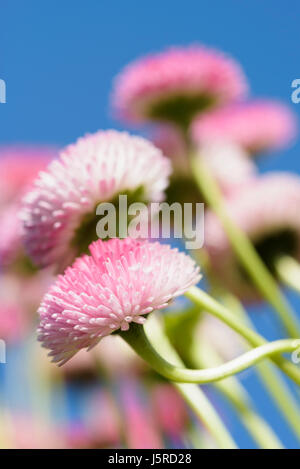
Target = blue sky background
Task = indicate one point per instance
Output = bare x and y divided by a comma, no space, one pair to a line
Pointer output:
59,57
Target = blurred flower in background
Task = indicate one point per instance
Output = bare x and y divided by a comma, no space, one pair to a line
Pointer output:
176,84
257,126
267,209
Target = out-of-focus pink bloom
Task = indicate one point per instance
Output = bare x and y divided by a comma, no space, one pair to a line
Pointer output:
176,84
10,239
19,165
121,282
267,210
12,323
141,431
169,409
256,126
96,169
229,165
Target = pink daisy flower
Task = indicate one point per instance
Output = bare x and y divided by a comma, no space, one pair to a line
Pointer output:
59,213
256,126
267,210
19,165
121,282
176,84
13,325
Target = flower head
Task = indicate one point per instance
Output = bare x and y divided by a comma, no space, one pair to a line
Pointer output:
121,282
267,210
175,84
59,212
256,126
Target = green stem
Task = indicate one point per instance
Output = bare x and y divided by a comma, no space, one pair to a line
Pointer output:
137,339
276,387
288,271
243,248
191,393
207,303
203,355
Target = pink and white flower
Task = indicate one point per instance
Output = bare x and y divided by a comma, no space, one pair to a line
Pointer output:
121,282
267,210
256,126
194,77
97,168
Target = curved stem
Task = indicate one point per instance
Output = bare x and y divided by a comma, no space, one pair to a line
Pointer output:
288,270
203,355
137,339
244,248
191,393
271,379
207,303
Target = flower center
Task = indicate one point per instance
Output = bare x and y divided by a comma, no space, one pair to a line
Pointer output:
182,189
275,245
180,109
86,233
283,242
